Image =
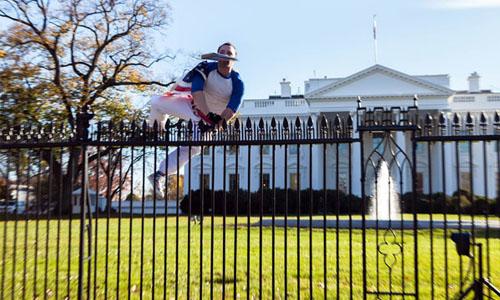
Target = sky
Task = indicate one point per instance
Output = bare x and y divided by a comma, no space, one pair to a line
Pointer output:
298,40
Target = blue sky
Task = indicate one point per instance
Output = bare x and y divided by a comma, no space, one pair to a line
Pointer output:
297,39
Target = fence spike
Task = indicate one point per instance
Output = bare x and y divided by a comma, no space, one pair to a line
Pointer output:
350,122
261,124
273,123
469,120
297,122
166,127
285,123
248,124
415,100
442,120
483,119
310,123
428,120
359,101
337,122
497,119
456,120
237,124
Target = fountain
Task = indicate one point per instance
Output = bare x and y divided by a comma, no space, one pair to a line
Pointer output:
385,202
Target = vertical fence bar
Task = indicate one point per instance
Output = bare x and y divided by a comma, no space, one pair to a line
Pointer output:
177,225
143,194
5,223
236,214
71,173
415,220
273,228
96,240
363,212
224,215
431,212
337,216
486,211
201,208
249,209
16,221
47,232
190,199
37,221
26,222
445,218
83,200
122,182
261,204
59,217
459,210
311,206
109,192
349,208
298,220
165,225
131,212
325,208
153,238
212,220
285,265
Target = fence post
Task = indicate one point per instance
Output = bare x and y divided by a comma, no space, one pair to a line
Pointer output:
82,134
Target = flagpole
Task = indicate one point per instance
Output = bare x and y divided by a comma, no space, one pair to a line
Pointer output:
375,38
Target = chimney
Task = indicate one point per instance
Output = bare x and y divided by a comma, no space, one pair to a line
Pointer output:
286,90
474,82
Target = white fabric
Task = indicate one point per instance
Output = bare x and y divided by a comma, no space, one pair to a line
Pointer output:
176,105
172,159
217,92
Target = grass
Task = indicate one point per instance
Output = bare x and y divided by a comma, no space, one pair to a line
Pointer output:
343,247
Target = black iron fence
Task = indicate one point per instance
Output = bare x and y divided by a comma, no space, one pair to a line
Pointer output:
313,208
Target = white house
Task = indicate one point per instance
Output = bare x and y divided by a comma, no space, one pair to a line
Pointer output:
378,86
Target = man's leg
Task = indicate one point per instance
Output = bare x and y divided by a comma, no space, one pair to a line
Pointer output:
171,168
172,160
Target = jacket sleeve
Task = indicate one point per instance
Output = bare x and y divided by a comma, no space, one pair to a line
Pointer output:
237,93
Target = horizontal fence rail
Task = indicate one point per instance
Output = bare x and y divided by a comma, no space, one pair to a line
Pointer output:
363,205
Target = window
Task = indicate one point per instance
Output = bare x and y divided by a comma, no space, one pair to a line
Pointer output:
294,181
377,139
463,147
266,181
206,151
465,181
233,181
266,149
419,183
206,181
494,98
464,99
232,150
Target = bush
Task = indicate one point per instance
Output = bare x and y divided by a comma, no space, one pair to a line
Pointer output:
283,201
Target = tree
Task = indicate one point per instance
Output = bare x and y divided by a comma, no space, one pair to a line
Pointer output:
63,59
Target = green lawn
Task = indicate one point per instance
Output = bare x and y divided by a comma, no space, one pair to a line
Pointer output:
12,241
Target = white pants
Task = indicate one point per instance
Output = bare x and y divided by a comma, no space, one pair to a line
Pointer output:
173,105
184,157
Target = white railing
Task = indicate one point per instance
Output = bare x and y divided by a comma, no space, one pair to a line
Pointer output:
294,102
263,103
